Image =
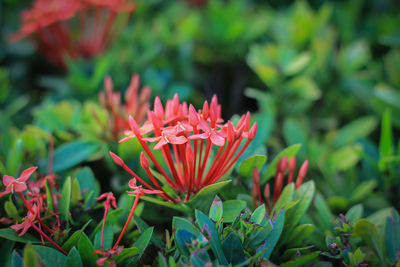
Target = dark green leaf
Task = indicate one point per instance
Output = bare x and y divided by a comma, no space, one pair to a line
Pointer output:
65,199
200,258
368,233
179,223
232,209
6,248
300,261
125,254
88,184
86,249
71,154
50,256
392,235
107,238
10,234
211,233
73,259
207,194
142,225
74,238
273,236
142,243
233,249
258,215
355,213
15,157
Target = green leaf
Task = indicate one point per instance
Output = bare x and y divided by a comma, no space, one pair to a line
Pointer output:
6,249
200,258
65,199
368,233
232,209
284,199
75,192
273,237
176,206
71,154
142,243
50,256
125,254
49,199
299,234
300,261
112,218
183,238
11,210
205,196
233,249
73,259
344,158
216,210
211,233
359,128
17,260
74,238
142,226
258,215
179,223
392,235
362,191
324,213
30,258
86,249
87,184
15,157
386,140
10,234
297,64
355,213
290,152
107,238
247,166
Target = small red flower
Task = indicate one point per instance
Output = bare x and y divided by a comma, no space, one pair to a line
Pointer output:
109,200
138,190
27,223
17,185
108,254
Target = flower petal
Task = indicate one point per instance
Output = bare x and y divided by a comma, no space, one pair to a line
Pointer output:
19,186
8,180
199,136
26,174
217,139
177,140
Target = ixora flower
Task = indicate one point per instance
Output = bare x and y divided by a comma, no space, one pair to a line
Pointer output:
281,168
17,185
135,104
186,138
74,28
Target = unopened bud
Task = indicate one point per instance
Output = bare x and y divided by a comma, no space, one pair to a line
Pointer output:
117,159
144,162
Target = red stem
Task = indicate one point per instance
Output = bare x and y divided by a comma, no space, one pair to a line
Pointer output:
49,239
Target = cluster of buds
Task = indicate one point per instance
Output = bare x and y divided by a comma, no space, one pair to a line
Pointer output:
186,137
135,104
73,28
281,169
34,205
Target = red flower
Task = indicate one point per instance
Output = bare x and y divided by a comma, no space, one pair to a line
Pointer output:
138,190
27,222
109,200
108,254
54,26
135,104
19,184
186,138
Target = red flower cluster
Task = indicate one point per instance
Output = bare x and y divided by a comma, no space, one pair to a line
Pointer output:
281,168
136,104
186,138
58,34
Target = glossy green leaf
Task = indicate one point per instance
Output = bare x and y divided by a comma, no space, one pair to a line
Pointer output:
200,258
86,249
141,244
258,215
75,192
247,166
355,213
73,259
368,233
216,210
176,206
290,152
6,249
359,128
107,238
233,249
273,237
323,211
299,234
142,226
300,261
88,184
10,234
392,235
183,238
74,238
11,210
71,154
126,254
65,199
31,258
286,196
211,233
179,223
232,209
15,157
50,256
49,199
205,196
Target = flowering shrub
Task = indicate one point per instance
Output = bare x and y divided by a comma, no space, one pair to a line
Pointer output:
72,28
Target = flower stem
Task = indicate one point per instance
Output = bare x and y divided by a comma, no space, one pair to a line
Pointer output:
49,239
127,220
